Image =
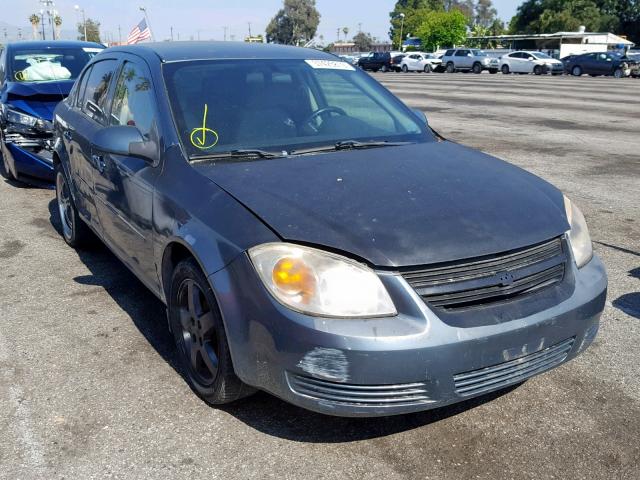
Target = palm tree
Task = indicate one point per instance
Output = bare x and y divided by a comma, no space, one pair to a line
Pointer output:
345,30
57,21
35,22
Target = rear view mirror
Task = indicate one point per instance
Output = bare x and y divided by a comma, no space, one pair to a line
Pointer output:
125,140
421,116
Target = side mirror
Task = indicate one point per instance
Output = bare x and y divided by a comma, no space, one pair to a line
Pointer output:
125,140
421,116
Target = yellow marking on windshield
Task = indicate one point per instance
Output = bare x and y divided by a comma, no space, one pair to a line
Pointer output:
202,137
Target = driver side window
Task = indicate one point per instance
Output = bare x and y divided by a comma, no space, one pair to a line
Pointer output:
133,101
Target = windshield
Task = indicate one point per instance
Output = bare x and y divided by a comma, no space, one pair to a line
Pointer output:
542,56
282,105
48,64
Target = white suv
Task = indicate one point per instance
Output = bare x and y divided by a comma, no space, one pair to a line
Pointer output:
419,62
469,59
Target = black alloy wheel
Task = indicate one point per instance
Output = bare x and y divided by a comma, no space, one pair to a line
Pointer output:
200,337
74,231
537,70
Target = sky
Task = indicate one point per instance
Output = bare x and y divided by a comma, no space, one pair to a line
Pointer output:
208,18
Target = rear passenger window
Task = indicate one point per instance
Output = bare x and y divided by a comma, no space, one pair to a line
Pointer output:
461,53
133,101
94,97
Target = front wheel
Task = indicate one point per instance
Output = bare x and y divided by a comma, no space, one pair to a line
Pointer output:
450,68
477,68
427,68
74,231
8,174
537,70
618,73
200,337
505,69
405,69
576,71
384,69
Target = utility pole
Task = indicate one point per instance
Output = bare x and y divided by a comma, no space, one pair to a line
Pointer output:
360,27
84,20
119,35
249,29
225,32
19,34
146,17
172,33
42,22
338,33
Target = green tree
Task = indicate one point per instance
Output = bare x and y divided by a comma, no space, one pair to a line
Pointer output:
485,13
294,24
363,41
414,12
443,29
93,31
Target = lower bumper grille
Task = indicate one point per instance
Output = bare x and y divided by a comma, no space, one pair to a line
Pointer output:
498,376
367,395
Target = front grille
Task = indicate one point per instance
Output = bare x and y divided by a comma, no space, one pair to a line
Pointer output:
498,376
351,394
490,279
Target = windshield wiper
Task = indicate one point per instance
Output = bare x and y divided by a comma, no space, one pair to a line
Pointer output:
239,153
348,145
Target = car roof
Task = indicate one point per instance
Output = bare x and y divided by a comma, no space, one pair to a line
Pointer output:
182,51
28,44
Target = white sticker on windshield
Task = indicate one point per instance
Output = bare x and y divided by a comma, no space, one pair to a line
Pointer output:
92,49
329,64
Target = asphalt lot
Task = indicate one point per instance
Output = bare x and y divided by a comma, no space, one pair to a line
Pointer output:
89,389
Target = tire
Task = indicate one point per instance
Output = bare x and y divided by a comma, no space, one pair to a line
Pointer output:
6,169
427,68
450,68
384,69
405,69
201,340
576,71
537,70
477,68
505,69
618,73
74,231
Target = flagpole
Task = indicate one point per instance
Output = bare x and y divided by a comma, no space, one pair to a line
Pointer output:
144,10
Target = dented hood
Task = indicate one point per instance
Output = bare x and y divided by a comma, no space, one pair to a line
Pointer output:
398,206
38,99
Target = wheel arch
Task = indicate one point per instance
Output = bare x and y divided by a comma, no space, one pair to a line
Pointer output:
175,251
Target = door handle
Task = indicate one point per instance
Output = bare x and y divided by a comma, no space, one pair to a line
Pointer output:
98,161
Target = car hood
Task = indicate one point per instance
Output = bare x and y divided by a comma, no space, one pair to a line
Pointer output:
38,99
398,206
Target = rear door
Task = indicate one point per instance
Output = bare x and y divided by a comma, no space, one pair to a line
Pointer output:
85,117
463,59
124,184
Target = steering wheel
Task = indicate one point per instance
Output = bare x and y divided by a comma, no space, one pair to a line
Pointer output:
319,112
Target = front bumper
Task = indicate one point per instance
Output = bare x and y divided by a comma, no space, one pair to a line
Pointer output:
389,366
28,164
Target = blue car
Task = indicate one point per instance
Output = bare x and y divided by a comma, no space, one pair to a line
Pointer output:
312,237
34,78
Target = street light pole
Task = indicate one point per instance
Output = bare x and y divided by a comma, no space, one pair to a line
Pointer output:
84,20
401,29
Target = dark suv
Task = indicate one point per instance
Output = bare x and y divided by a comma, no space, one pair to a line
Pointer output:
376,61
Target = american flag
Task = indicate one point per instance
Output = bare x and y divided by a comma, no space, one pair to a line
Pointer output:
139,33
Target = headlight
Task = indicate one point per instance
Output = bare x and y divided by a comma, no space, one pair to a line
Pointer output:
579,238
320,283
13,116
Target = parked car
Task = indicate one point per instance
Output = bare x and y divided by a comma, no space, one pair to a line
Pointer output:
469,59
601,63
538,63
34,77
376,61
353,60
311,236
420,62
396,61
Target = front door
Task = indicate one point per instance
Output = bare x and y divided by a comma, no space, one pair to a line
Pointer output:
124,184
